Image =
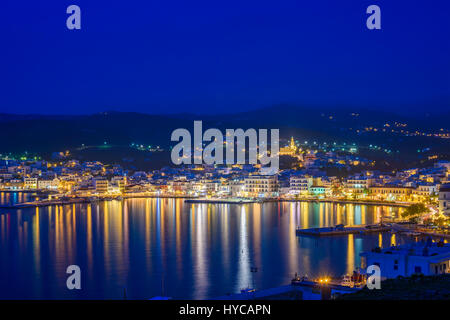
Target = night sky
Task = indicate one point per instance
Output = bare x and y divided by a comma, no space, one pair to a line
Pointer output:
223,56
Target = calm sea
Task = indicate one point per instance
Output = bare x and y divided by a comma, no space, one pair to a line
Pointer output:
153,247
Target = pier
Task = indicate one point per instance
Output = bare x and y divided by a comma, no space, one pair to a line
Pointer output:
222,201
46,203
303,290
346,201
341,230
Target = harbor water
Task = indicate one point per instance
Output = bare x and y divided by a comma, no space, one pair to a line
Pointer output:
152,247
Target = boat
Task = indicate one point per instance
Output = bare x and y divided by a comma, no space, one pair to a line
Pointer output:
297,279
247,290
413,234
347,281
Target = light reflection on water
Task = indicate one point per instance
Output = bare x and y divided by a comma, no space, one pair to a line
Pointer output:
167,247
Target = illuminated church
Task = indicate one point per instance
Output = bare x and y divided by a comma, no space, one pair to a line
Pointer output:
289,150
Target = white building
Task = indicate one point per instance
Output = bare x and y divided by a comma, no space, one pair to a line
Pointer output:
426,190
51,184
30,183
356,185
261,186
237,187
300,184
118,184
427,258
224,189
101,186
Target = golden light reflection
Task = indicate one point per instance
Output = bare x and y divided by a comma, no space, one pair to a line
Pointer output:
393,240
225,237
338,213
243,275
305,214
36,240
363,214
321,224
68,224
162,242
350,254
178,242
256,214
328,216
89,238
106,238
171,228
147,233
350,214
292,249
125,235
198,248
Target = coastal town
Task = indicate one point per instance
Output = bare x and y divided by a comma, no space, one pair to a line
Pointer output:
66,179
421,193
237,158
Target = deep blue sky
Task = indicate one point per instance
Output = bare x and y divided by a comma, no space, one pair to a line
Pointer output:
215,56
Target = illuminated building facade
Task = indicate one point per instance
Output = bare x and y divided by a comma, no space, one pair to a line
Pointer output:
444,199
261,186
101,186
300,184
30,183
289,150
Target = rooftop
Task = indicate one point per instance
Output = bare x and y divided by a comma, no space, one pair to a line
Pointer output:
422,249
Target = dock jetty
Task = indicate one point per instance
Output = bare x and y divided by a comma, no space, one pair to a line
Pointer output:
302,290
342,230
222,201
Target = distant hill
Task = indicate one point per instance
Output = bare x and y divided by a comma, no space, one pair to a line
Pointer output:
48,133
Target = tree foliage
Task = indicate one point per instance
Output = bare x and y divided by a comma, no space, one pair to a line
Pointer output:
414,211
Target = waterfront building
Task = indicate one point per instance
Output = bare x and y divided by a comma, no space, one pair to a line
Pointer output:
119,183
224,189
6,176
12,184
300,184
358,184
68,185
48,184
136,188
30,183
391,193
317,190
423,192
179,186
101,185
237,188
427,258
261,186
444,199
211,186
